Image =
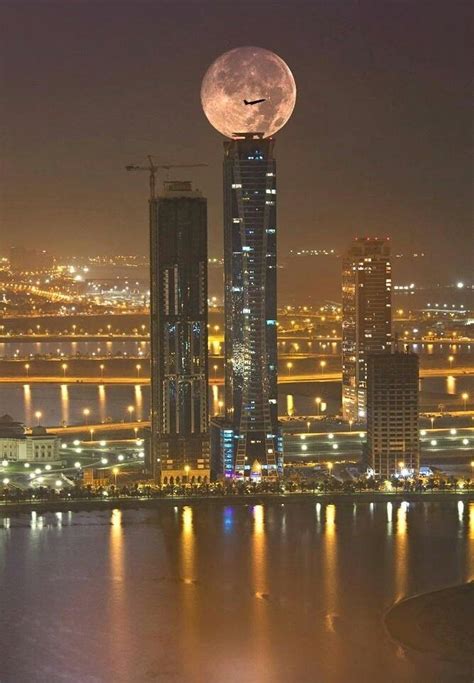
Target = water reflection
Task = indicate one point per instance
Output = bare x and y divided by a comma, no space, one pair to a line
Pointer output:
461,513
330,567
189,592
215,399
451,385
401,551
470,547
228,519
215,593
113,400
117,597
187,546
261,626
138,402
318,516
27,403
64,404
102,403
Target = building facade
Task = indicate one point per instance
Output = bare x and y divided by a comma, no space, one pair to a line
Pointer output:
179,442
366,317
35,446
249,431
392,413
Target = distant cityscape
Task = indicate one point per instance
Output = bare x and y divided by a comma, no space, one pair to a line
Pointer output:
346,407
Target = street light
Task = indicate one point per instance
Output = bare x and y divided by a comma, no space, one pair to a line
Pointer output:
64,367
91,433
450,359
323,365
138,368
215,370
130,410
289,366
186,469
102,368
38,415
318,405
86,412
330,466
27,368
351,422
115,472
465,397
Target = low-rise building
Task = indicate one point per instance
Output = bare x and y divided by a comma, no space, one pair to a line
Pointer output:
18,444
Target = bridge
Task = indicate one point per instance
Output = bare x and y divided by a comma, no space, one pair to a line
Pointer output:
283,378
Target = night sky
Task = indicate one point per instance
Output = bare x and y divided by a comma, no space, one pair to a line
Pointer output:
379,142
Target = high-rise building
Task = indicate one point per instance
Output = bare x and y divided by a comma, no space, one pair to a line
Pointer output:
249,434
179,445
392,413
366,317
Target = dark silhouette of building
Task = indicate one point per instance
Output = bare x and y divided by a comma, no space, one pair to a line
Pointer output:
392,413
249,431
366,317
179,447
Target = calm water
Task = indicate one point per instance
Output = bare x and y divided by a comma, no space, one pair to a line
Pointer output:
66,403
246,594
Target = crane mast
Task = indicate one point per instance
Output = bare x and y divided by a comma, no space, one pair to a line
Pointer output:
153,168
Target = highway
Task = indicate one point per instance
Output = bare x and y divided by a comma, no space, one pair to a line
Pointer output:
285,337
294,429
284,378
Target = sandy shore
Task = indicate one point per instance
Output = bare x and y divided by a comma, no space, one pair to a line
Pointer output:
439,623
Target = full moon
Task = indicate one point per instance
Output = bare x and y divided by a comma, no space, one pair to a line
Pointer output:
248,74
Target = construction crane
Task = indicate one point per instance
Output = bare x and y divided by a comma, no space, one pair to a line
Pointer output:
153,168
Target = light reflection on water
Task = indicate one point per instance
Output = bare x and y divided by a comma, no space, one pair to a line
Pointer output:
64,404
401,551
59,403
263,593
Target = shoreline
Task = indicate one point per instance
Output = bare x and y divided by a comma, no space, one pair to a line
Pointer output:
439,623
129,503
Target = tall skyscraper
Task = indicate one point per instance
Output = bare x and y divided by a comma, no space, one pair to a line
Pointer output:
366,317
392,412
179,368
249,434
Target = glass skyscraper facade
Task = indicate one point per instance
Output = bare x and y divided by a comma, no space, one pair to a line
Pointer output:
179,448
249,433
392,413
366,317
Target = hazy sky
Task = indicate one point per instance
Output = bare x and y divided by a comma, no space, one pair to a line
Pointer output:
379,142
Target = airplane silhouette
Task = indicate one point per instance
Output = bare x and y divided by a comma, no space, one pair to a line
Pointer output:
253,101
